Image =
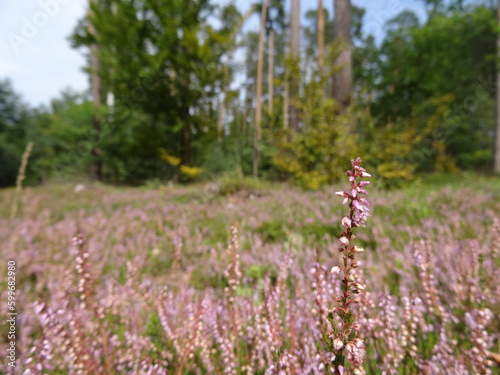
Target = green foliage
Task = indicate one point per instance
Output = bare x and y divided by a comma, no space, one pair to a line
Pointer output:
13,133
161,60
436,80
65,138
313,156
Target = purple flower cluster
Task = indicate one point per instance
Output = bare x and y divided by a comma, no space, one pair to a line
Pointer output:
358,203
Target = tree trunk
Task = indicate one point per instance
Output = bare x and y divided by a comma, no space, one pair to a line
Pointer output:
270,76
220,118
342,81
96,86
295,29
497,138
286,123
258,109
223,103
186,135
293,117
321,35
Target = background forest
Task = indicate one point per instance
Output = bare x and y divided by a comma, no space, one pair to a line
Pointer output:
183,90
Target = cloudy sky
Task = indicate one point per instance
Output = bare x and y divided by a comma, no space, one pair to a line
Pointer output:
36,56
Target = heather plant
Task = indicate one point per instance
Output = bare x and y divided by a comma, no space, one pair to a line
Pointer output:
159,283
344,338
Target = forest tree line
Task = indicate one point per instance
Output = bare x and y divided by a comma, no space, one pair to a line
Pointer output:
182,90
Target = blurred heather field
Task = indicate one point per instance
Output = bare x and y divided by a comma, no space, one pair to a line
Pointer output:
235,278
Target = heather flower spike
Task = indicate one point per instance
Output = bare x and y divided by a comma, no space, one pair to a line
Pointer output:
343,341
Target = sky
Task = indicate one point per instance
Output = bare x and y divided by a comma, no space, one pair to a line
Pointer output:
36,56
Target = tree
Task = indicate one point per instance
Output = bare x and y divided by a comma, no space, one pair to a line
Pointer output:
275,22
258,95
162,61
321,34
13,132
437,80
232,21
96,87
342,81
293,89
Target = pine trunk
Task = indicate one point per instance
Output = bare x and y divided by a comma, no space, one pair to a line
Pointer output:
293,87
342,81
270,76
96,86
321,35
258,97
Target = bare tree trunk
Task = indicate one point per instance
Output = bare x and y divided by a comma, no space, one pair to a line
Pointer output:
270,76
258,110
295,28
96,86
223,103
321,35
286,124
342,81
220,117
497,138
295,54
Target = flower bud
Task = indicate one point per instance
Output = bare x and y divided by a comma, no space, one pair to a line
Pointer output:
358,249
335,270
358,286
351,348
337,344
346,222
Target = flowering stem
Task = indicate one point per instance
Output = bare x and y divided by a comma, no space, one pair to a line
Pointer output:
346,335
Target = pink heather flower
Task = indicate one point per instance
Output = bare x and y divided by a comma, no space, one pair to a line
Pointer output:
341,193
358,249
337,343
351,348
335,270
358,205
359,343
346,222
364,183
358,286
344,240
354,193
359,218
364,174
364,201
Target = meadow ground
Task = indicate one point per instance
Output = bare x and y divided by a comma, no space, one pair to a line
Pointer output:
191,280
